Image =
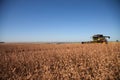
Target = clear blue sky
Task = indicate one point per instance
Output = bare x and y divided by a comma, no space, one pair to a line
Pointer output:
58,20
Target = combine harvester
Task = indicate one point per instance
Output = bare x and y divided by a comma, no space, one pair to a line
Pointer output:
98,38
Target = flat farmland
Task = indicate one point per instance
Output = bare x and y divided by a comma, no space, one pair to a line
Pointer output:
75,61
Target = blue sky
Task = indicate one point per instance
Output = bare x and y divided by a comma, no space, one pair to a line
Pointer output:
58,20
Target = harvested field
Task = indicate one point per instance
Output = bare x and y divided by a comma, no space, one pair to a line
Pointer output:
60,61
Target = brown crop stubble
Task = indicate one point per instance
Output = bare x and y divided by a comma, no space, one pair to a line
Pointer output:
60,61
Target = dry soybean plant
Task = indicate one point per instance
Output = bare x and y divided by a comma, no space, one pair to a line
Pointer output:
60,61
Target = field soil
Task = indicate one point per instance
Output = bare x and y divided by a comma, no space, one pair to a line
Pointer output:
30,61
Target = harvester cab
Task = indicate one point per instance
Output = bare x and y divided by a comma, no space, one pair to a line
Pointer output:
98,38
